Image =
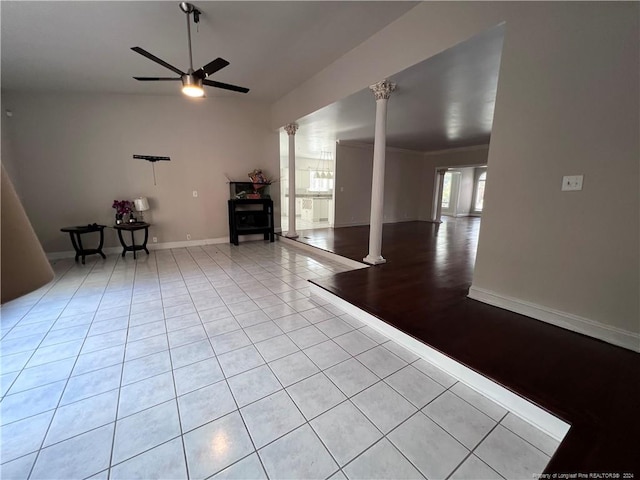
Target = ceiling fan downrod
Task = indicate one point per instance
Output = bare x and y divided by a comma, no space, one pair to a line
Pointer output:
188,9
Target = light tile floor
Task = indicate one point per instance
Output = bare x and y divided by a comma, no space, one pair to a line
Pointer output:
216,362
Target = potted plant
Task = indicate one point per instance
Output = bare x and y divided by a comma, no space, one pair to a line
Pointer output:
123,207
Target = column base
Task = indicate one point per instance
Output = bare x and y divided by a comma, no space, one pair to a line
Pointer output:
374,260
291,235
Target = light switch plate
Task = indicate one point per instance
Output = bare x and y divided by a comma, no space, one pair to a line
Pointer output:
572,182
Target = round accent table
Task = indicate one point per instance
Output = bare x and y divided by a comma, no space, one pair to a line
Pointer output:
76,232
132,227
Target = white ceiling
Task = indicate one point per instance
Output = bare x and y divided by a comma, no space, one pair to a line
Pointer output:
273,47
445,101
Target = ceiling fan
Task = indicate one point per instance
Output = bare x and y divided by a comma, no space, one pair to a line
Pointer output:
192,81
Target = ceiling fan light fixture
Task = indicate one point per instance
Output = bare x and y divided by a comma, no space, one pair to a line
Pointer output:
192,80
192,86
193,91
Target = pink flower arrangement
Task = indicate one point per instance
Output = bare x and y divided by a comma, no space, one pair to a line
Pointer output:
122,206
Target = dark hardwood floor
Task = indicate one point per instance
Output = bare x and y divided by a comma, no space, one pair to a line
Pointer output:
422,290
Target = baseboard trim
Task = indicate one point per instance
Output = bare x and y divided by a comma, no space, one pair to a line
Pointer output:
616,336
533,414
362,224
161,246
350,224
71,254
323,253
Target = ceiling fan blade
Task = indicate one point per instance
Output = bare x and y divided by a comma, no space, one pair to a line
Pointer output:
144,53
156,79
211,67
226,86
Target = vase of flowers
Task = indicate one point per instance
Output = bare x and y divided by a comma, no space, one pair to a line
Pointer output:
259,181
123,207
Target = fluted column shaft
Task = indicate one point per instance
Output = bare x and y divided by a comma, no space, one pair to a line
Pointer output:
291,130
382,91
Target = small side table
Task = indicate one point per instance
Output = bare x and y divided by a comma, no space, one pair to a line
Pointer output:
75,234
132,227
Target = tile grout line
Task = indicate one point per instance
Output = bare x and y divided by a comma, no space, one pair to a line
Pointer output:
255,450
35,461
522,438
418,411
124,354
383,435
94,315
471,451
307,421
43,338
50,383
231,266
175,390
50,285
291,399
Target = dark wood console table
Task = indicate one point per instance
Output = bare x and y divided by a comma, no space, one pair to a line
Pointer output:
76,232
132,227
248,216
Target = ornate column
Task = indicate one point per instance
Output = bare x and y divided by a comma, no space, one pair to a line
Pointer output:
438,185
382,92
291,130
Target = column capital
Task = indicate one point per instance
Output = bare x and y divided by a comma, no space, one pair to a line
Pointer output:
291,128
382,90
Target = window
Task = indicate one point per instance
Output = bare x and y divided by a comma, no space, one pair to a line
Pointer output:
446,191
479,203
320,181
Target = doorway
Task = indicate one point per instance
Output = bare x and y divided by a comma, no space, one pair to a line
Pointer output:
450,193
459,192
314,185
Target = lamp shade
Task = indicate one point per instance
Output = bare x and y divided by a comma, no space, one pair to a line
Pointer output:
141,204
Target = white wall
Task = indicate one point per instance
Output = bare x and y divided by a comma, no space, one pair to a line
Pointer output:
354,171
74,157
567,103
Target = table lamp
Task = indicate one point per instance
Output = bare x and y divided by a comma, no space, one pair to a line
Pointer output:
141,204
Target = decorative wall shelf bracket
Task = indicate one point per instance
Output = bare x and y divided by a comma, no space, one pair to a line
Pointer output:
153,159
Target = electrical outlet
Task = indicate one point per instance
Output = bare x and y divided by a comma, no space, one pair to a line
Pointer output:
188,236
154,239
572,182
195,193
